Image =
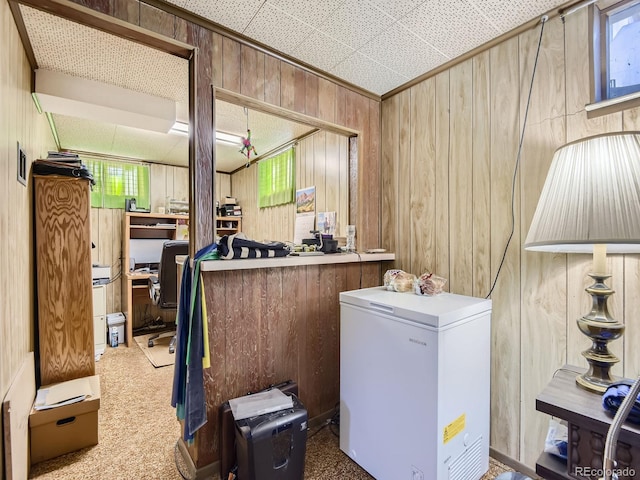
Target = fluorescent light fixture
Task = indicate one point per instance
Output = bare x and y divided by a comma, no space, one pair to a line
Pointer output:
180,128
228,138
78,97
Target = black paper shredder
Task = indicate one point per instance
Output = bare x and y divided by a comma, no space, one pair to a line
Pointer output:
272,446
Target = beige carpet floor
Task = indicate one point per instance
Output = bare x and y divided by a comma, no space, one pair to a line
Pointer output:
138,431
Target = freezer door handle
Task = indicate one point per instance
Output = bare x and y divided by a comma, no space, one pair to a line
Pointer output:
382,308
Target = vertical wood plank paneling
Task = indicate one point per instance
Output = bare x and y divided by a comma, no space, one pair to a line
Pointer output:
157,20
318,170
390,152
481,175
158,187
404,168
543,275
203,170
371,208
579,126
299,93
442,176
310,94
287,85
231,64
505,397
251,72
326,100
461,179
422,185
332,173
343,212
316,356
271,80
217,48
127,10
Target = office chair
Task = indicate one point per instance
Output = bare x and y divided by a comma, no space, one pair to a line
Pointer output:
163,288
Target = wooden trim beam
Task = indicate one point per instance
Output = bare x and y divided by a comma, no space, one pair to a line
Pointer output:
107,23
249,102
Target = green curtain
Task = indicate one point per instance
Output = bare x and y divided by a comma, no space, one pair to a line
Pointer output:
276,179
116,181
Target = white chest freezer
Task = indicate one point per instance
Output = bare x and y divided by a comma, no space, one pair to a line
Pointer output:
415,384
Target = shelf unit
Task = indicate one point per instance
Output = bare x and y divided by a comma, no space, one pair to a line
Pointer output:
144,226
228,225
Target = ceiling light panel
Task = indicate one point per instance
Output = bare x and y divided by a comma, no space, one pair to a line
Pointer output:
85,52
417,56
356,22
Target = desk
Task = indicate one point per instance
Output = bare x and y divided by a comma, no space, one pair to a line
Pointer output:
136,292
146,227
588,426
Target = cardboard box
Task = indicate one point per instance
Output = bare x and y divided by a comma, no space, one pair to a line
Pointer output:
64,429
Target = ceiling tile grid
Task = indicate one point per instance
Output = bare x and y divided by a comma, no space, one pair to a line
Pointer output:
507,14
356,22
370,75
322,51
233,14
404,52
455,29
311,12
277,29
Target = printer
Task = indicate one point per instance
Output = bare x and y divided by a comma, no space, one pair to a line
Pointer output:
100,274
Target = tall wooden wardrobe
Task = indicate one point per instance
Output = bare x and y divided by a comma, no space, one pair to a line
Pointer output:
63,283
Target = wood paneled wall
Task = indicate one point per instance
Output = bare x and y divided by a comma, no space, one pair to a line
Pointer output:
322,160
271,325
106,231
19,122
449,147
224,62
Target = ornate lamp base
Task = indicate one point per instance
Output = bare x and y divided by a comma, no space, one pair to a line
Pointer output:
601,328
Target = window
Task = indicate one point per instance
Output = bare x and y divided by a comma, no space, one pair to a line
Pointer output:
276,179
618,34
116,181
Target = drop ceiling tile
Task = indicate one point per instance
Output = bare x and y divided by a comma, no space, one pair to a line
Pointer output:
417,56
398,8
147,145
311,12
452,27
277,29
64,46
233,14
507,15
322,51
356,22
369,74
84,135
179,3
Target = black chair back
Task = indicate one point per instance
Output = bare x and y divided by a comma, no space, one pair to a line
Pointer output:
168,272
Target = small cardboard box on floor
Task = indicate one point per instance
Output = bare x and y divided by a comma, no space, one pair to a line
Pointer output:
66,428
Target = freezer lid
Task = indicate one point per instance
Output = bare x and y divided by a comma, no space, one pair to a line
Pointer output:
436,311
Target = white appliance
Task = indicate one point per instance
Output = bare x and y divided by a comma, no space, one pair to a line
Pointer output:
414,384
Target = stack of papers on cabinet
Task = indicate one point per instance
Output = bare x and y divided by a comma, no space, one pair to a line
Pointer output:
259,404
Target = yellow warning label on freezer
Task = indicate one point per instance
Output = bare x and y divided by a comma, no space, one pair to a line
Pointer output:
454,428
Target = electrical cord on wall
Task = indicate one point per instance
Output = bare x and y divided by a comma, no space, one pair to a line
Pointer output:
543,20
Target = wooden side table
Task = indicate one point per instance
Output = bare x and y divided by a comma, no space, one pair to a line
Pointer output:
588,425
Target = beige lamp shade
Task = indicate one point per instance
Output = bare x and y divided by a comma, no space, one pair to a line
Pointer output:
591,196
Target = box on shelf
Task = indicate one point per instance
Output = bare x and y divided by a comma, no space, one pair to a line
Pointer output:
67,428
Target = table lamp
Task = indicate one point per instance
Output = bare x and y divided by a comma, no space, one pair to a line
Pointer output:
590,203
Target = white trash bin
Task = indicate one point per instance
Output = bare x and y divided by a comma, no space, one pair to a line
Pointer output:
115,320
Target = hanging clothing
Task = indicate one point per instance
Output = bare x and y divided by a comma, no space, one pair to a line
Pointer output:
192,347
